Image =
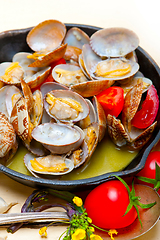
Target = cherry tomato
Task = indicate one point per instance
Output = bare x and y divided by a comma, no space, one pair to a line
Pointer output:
146,116
107,204
50,78
112,100
149,169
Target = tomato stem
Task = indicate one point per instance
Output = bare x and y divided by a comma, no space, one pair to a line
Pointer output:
134,200
156,181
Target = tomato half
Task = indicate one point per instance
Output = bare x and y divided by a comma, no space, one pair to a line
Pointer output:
107,204
112,100
149,169
146,116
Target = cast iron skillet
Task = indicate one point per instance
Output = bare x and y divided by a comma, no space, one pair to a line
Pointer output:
14,41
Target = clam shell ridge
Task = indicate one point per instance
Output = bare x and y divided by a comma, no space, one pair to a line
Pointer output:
114,42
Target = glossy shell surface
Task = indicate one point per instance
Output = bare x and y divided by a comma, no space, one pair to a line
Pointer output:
62,113
46,35
50,161
58,138
114,42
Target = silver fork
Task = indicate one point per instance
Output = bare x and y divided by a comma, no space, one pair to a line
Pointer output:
8,218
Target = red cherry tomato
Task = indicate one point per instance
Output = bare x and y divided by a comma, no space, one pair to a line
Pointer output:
107,204
146,116
149,169
112,100
50,78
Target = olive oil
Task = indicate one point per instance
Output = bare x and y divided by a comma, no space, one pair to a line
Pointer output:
106,158
17,163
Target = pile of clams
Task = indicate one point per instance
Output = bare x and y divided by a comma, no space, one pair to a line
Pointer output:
61,122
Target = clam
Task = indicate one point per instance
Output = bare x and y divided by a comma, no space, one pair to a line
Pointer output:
12,95
134,81
76,37
91,117
58,138
80,155
45,58
51,165
110,69
37,108
27,95
140,138
33,76
8,141
21,121
114,42
46,40
91,138
65,106
101,118
3,105
117,131
46,35
68,75
131,104
91,87
11,73
114,69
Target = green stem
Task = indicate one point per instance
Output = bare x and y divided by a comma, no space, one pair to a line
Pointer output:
104,230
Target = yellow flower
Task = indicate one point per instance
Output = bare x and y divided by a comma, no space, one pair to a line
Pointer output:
43,231
95,237
79,234
111,232
77,201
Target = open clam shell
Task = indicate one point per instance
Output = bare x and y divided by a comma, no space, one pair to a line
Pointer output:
12,95
101,118
33,76
3,106
114,42
48,34
68,74
64,111
58,138
24,61
37,108
11,73
49,160
7,136
76,37
48,57
20,120
115,62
